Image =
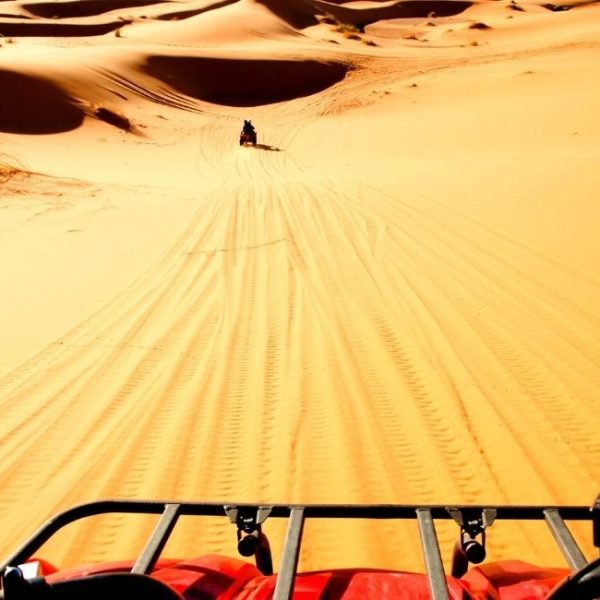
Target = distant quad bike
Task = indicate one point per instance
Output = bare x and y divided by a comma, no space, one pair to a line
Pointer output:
248,138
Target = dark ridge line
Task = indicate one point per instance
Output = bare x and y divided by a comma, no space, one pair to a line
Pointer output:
186,14
4,16
58,29
404,9
296,13
77,8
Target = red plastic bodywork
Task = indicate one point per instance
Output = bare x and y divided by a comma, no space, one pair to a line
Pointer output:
223,578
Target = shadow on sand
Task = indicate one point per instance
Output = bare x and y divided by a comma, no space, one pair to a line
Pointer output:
267,147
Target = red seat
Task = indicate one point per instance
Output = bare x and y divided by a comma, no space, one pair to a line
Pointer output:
231,579
225,578
512,580
209,576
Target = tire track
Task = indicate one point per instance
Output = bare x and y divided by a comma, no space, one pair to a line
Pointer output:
312,340
469,278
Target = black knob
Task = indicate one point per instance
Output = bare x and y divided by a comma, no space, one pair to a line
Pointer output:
474,551
247,545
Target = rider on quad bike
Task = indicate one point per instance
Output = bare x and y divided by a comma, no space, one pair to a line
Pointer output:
248,134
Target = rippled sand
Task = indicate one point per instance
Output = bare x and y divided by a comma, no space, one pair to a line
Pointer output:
393,298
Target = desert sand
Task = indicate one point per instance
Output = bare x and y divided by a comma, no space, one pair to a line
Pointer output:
393,298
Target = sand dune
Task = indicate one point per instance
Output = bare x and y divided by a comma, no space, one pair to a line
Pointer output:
244,82
20,106
66,10
392,298
392,10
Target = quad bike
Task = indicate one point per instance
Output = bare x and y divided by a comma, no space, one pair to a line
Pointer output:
248,138
150,577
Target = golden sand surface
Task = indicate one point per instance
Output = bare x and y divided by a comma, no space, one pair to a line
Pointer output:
393,298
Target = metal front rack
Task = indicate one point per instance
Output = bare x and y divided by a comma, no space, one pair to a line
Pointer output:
248,519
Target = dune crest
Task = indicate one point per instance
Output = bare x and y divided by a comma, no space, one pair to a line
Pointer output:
75,8
298,13
405,9
232,24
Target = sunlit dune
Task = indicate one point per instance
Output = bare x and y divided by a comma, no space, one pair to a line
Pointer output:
393,297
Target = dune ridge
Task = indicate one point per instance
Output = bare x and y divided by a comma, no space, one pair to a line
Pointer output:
392,298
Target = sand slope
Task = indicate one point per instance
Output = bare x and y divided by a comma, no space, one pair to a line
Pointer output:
393,298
